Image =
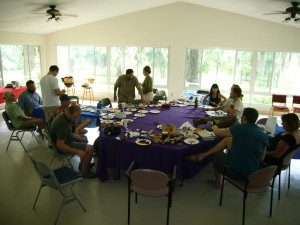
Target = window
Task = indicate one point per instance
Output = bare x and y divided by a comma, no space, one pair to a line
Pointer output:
105,64
20,63
258,73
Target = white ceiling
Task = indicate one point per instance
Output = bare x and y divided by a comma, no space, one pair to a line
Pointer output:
15,15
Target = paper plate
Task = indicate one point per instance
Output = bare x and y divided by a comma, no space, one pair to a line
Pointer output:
139,115
191,141
143,111
154,111
143,142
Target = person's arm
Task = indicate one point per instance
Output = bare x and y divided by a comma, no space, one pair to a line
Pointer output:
139,88
61,145
116,86
221,132
263,154
223,98
58,92
82,125
21,102
281,148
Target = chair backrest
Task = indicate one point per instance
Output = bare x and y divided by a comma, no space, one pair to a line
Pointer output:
105,102
202,92
278,99
260,179
150,182
154,90
161,93
296,99
45,172
286,161
7,121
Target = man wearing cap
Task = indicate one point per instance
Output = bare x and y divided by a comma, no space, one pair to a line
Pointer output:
126,85
18,118
50,91
29,99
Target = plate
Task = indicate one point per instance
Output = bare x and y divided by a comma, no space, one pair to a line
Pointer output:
127,112
205,134
131,110
109,117
143,111
113,110
143,142
128,120
191,141
139,115
154,111
134,134
159,126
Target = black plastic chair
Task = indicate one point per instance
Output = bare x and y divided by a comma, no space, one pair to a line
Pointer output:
151,183
15,132
59,179
106,102
203,92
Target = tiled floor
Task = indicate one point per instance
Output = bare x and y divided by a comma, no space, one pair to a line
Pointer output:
195,203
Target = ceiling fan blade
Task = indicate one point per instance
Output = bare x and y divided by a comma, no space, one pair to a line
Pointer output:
276,12
71,15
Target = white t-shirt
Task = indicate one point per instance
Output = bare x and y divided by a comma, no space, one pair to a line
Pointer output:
48,84
237,105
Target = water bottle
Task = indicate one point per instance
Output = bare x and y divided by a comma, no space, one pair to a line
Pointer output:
196,102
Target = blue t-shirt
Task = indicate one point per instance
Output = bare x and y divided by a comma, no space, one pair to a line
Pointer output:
248,144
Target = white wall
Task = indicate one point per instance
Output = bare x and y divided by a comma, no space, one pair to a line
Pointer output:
179,26
26,39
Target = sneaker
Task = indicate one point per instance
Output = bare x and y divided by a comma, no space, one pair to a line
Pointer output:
89,174
90,166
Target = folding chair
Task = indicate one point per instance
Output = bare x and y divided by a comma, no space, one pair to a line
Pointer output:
296,104
57,154
151,183
259,181
61,179
15,132
278,104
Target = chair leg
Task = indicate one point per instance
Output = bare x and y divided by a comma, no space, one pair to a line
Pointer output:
9,140
168,211
289,177
128,215
244,207
279,185
22,135
271,200
79,202
62,204
221,195
42,185
35,136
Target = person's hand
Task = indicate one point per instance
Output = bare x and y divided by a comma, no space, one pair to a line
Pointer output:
63,91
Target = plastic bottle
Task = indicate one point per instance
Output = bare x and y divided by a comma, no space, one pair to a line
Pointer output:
196,102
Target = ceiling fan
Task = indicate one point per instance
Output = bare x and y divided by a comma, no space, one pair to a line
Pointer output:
55,14
293,11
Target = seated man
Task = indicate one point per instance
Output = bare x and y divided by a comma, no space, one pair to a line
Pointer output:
246,144
29,99
232,106
68,142
18,118
78,126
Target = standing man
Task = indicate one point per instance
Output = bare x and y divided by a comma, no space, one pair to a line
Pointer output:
29,99
126,85
50,91
246,144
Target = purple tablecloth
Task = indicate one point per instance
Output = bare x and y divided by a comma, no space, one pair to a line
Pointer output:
119,154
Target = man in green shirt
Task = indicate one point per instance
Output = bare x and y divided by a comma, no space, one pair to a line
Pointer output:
18,118
126,85
68,142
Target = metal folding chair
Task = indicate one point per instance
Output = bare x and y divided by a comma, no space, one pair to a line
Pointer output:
61,179
15,132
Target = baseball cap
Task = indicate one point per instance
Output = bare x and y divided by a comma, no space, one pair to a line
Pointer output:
64,97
